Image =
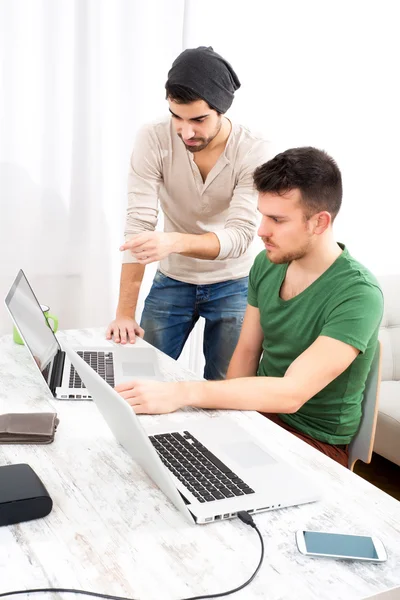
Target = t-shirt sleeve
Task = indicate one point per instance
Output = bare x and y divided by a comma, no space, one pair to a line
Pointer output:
252,298
356,316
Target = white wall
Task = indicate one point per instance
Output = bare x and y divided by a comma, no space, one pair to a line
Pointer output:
324,74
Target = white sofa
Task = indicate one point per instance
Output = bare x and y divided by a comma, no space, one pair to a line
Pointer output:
387,440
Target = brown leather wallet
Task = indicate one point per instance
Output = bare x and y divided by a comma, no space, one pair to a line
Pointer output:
28,428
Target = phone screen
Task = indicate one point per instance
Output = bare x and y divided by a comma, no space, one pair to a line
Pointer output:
340,545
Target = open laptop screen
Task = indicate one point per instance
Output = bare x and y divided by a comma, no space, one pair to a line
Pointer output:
32,324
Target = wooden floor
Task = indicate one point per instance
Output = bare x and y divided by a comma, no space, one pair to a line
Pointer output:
382,473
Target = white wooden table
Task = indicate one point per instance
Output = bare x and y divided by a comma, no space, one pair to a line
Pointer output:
111,530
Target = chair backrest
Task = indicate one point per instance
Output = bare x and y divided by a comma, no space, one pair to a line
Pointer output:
389,333
362,444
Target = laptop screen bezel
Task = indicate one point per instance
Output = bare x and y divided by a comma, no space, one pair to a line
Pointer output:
59,354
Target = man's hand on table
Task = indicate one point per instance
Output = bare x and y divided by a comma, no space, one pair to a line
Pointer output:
124,329
155,397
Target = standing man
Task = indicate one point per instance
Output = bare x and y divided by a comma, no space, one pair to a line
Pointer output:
312,321
199,167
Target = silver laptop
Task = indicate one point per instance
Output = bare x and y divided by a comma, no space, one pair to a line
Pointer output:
211,470
114,364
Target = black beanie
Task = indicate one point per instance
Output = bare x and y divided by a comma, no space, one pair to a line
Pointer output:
206,74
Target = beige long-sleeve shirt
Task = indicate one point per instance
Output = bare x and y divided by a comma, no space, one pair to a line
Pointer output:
163,173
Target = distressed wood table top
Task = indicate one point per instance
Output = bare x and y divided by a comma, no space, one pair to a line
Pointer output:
113,531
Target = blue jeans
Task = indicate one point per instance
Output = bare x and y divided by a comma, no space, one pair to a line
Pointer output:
172,308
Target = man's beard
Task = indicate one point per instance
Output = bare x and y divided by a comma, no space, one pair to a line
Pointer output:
289,256
203,141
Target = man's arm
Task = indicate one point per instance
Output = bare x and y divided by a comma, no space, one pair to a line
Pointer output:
312,371
230,242
153,246
125,327
144,179
245,359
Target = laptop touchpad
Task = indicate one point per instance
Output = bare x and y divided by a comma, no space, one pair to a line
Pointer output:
130,369
248,454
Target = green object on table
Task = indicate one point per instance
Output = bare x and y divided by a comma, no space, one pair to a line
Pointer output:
54,326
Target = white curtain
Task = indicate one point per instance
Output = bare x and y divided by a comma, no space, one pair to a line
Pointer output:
78,78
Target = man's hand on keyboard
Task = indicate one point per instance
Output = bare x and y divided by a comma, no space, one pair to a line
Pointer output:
123,330
154,397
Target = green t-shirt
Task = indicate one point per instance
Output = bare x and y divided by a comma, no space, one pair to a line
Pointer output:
344,303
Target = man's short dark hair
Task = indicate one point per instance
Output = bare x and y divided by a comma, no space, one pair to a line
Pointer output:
309,170
183,95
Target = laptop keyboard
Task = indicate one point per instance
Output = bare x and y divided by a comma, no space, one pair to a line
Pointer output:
101,362
204,475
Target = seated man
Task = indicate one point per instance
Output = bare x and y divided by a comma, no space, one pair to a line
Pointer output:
312,318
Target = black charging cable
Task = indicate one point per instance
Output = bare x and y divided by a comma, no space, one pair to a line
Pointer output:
242,515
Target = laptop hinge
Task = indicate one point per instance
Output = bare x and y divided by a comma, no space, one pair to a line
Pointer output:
57,371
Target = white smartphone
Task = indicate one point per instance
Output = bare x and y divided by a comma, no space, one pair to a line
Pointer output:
338,545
